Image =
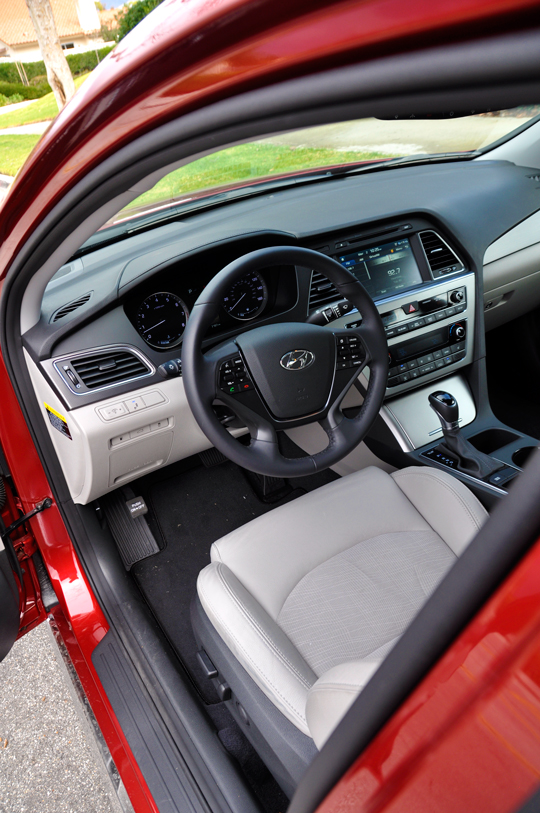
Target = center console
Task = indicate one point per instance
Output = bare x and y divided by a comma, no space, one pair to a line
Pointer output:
426,297
423,290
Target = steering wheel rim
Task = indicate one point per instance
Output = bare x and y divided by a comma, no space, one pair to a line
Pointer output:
256,348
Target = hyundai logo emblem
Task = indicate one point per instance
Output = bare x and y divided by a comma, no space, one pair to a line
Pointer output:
297,359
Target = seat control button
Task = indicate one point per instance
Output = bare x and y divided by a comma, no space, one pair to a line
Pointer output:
208,667
224,691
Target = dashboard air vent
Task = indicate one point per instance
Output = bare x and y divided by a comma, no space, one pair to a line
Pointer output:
71,306
109,367
440,257
321,291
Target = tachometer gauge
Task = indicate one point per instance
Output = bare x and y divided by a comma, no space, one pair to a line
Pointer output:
246,298
161,319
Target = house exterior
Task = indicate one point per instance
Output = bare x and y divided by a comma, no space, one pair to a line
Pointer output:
77,24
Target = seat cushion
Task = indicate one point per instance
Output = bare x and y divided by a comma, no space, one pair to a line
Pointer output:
333,694
334,576
357,603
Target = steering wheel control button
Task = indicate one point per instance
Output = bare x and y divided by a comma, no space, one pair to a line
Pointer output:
233,376
350,352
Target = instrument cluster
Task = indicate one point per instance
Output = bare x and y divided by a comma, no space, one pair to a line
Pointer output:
161,311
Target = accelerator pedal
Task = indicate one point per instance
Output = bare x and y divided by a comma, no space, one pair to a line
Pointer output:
124,512
212,457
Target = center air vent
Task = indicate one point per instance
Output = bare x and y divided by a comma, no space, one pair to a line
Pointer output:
102,369
321,291
441,259
71,306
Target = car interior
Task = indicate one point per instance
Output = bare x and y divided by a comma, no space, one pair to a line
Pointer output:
268,468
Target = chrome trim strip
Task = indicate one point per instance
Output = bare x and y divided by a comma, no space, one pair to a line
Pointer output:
95,351
472,479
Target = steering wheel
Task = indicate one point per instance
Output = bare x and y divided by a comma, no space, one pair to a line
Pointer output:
279,376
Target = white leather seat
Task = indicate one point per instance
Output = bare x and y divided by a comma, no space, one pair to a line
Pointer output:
311,596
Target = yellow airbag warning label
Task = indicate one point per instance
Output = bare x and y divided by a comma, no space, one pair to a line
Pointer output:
58,421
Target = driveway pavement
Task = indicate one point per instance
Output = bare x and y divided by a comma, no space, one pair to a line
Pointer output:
47,759
37,128
404,137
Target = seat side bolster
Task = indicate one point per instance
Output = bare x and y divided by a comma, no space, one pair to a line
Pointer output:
332,695
257,642
445,502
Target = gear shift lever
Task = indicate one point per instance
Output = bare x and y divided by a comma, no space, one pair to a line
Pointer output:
469,460
446,407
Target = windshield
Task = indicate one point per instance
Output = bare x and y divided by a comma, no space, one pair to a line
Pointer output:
344,144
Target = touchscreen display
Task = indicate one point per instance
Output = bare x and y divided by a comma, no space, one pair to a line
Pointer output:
384,270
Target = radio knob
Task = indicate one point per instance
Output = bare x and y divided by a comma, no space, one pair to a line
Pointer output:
457,296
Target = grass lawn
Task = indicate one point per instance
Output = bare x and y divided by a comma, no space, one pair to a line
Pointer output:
41,110
14,150
246,161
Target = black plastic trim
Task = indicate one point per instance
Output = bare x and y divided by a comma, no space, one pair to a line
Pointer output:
9,605
153,748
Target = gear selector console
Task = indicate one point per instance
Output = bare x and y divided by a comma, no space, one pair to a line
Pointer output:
456,452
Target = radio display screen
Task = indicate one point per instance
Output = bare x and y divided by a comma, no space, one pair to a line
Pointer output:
384,270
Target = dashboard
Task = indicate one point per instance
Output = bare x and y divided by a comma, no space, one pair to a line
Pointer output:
105,357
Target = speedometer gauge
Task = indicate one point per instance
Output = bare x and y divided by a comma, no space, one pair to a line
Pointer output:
246,298
161,319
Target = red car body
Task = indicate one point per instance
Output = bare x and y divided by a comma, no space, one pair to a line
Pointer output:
468,738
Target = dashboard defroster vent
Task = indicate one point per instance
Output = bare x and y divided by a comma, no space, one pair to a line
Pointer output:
321,291
441,259
65,310
107,368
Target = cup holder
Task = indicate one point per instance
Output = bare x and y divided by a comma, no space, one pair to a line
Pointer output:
520,457
490,440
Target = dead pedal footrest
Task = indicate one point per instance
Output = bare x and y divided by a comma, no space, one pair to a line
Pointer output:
124,513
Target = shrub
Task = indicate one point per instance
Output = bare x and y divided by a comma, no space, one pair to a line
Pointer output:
38,80
37,74
133,15
82,63
8,72
10,99
12,88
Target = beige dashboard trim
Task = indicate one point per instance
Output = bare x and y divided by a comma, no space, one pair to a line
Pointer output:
92,464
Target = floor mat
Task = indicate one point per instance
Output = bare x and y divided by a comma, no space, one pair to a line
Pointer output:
192,510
